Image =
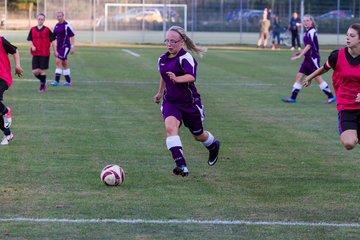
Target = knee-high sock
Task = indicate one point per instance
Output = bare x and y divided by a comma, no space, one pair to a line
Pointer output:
296,89
173,143
58,72
326,89
67,75
42,80
209,141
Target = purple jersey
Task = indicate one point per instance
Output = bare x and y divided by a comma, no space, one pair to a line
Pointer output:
183,63
63,32
310,38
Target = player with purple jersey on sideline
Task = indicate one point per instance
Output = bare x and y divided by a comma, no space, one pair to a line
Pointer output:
65,40
181,101
310,64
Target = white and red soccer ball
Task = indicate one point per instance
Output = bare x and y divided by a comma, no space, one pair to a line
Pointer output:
112,175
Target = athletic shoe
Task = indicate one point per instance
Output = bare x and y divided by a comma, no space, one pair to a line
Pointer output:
42,88
330,100
299,48
292,49
55,83
288,100
214,153
181,170
7,139
67,84
7,118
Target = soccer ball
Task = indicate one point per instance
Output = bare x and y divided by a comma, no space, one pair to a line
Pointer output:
112,175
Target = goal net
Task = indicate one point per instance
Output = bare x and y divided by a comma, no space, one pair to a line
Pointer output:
152,17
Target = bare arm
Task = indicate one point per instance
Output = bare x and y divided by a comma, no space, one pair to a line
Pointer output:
181,79
320,71
72,42
32,46
160,92
302,53
53,44
18,69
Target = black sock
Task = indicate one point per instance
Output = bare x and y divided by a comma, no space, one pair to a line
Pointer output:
42,80
38,76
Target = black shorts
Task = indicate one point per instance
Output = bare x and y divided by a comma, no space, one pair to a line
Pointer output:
3,88
40,62
349,120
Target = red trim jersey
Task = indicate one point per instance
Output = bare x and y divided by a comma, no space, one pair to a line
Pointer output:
41,39
346,78
5,66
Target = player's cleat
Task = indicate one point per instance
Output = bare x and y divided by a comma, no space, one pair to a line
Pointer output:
7,139
330,100
68,84
42,88
55,83
214,153
181,170
288,100
7,118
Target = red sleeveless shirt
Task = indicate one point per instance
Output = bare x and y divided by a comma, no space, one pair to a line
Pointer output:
346,82
5,66
41,40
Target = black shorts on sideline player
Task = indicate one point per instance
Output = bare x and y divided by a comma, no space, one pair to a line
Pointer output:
40,62
349,120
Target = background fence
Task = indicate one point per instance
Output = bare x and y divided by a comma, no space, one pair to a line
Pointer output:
209,21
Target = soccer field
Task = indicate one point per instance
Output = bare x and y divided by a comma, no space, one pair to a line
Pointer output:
282,172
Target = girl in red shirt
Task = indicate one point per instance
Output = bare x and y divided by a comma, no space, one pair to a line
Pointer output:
41,38
5,82
346,81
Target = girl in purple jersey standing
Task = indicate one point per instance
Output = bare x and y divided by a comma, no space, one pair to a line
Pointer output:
310,64
180,100
65,40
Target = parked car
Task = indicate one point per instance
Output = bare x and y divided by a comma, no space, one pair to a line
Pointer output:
248,15
138,14
327,22
344,14
253,16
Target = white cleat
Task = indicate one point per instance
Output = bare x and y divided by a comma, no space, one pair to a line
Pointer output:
7,139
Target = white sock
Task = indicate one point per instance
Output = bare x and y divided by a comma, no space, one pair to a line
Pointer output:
209,140
173,141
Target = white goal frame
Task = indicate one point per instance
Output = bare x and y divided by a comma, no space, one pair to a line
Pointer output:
107,5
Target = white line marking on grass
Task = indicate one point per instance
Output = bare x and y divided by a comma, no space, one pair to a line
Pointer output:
131,52
188,221
26,80
241,84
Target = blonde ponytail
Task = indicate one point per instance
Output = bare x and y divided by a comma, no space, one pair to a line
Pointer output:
190,45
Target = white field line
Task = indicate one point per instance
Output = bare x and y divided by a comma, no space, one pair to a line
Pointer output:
244,84
178,221
131,52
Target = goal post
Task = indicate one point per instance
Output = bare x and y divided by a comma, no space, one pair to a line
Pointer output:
127,16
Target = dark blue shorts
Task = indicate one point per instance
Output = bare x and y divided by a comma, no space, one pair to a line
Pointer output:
309,66
63,52
191,114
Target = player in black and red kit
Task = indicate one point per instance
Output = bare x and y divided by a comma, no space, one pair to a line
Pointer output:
41,38
346,81
5,83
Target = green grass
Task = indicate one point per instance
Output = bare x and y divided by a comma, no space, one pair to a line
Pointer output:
279,162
